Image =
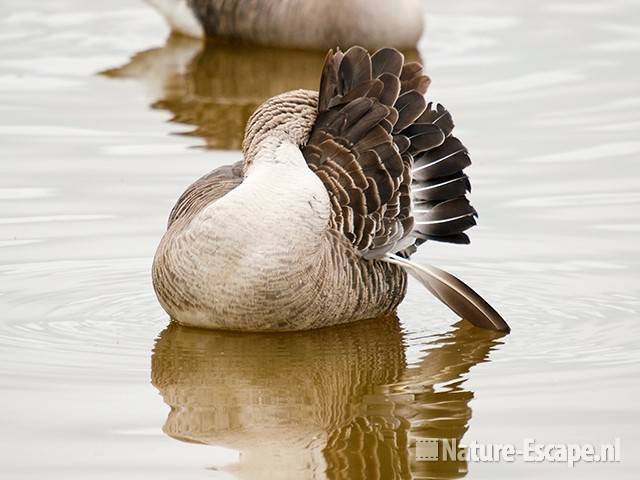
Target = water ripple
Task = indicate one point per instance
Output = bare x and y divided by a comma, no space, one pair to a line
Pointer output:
77,316
552,320
88,316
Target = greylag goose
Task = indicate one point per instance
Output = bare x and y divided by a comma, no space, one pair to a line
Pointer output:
299,23
316,225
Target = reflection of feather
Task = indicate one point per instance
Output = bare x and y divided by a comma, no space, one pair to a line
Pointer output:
454,293
342,399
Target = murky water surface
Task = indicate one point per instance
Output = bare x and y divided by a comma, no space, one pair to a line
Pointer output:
95,384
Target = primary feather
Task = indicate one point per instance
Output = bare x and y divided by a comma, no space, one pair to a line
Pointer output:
389,162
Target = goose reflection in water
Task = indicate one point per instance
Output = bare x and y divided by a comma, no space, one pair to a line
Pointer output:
335,403
215,86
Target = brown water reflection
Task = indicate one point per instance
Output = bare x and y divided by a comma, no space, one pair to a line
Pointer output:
545,94
216,86
331,403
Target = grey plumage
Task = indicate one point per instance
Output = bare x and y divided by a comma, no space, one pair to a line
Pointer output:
299,23
204,191
392,177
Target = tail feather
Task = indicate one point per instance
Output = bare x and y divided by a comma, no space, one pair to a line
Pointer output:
454,293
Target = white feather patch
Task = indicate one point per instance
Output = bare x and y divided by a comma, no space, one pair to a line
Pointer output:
179,16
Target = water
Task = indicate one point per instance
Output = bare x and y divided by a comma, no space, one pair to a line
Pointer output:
96,385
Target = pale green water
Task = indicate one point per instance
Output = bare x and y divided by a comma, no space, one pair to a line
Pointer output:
546,96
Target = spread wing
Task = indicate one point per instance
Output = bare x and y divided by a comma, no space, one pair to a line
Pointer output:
388,160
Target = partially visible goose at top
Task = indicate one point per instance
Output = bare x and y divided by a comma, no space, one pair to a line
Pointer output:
299,23
316,225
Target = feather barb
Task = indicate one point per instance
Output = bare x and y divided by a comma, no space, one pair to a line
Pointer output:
454,293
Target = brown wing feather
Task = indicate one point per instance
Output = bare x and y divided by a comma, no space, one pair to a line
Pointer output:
353,152
374,145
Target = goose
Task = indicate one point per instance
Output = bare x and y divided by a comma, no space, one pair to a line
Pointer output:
316,225
298,23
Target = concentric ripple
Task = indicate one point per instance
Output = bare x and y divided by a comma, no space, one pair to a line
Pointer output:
78,317
555,318
75,317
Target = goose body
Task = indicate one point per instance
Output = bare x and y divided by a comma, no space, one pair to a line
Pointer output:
314,227
299,23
